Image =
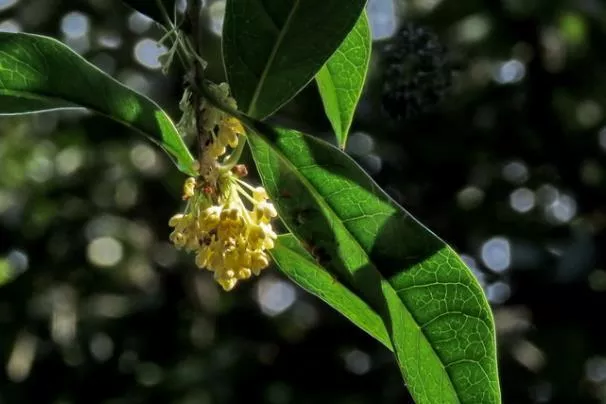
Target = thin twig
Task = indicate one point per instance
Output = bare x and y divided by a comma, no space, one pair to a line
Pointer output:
193,15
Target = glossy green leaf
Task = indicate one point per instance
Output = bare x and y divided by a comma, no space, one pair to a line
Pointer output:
299,265
341,79
151,9
273,48
38,73
434,310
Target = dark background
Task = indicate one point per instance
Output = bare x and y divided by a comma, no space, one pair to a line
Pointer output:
508,168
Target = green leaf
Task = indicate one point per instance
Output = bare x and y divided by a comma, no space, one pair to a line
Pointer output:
298,264
38,73
273,48
433,308
341,79
150,8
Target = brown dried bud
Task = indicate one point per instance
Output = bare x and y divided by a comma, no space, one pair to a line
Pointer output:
240,170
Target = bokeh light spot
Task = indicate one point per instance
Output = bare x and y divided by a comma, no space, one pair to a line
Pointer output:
382,18
496,254
18,260
101,347
144,158
498,292
470,197
110,40
522,200
147,51
69,160
10,26
473,28
274,296
40,168
360,143
372,163
357,362
139,23
562,210
515,172
136,81
595,369
589,113
105,252
22,356
6,4
75,24
149,374
509,72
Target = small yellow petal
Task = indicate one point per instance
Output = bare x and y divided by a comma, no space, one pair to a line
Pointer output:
235,125
228,284
259,194
259,261
217,150
175,220
232,139
178,239
210,218
244,273
203,257
270,210
268,244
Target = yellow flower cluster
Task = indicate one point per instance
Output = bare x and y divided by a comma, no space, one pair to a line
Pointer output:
227,238
223,128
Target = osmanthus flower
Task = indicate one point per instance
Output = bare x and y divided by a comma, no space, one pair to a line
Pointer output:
227,222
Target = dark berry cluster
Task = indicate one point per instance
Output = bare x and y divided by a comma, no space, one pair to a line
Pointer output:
417,73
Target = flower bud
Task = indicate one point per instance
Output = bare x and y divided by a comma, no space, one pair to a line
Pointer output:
259,194
258,261
244,273
227,284
240,170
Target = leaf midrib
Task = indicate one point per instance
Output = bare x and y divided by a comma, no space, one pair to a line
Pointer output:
318,198
270,61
